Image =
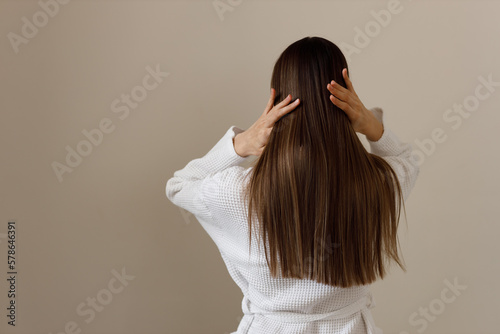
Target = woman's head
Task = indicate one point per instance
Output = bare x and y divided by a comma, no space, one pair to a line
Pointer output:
304,69
327,208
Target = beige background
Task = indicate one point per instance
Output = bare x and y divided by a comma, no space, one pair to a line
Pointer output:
111,212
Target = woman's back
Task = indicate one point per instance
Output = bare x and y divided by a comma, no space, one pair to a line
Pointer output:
279,305
276,304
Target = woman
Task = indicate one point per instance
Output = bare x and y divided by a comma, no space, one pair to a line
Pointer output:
327,209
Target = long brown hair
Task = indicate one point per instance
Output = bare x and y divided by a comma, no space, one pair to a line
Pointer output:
328,209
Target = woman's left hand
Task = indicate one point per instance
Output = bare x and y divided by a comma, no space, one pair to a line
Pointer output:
253,140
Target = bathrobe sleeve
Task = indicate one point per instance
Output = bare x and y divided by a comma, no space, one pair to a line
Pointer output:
192,186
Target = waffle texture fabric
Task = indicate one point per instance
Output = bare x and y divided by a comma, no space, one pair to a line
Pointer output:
211,188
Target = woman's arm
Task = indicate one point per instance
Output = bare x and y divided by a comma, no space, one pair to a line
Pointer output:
254,140
184,188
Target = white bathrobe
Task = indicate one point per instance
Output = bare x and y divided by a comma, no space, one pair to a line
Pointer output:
211,188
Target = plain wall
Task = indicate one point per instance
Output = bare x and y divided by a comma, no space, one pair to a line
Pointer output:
110,213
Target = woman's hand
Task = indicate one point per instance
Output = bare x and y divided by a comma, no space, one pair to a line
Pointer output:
362,119
253,140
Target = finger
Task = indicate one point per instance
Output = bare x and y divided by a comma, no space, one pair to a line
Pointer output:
285,101
283,111
270,103
338,91
338,87
347,80
341,104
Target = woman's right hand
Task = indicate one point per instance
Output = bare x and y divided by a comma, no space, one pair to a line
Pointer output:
362,119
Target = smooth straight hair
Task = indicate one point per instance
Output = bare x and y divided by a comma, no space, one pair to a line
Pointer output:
327,208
